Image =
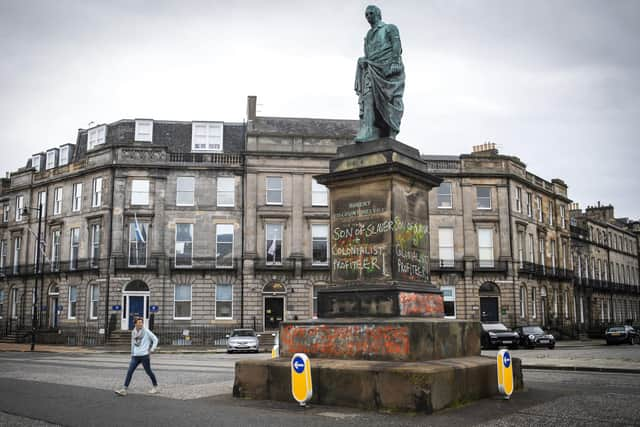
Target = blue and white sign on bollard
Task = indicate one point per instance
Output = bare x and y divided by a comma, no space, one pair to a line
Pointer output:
301,387
505,373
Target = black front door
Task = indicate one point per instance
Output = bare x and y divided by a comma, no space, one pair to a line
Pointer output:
273,312
489,309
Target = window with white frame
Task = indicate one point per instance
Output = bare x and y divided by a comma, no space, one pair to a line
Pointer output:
6,211
13,303
445,246
63,158
94,295
55,250
185,190
566,304
539,208
551,209
521,248
445,197
319,194
140,192
76,203
74,251
523,302
96,192
182,302
555,303
274,190
581,309
73,302
224,245
226,191
3,257
138,244
57,201
449,299
320,244
541,254
144,130
36,162
485,247
529,205
42,202
273,234
518,199
184,245
96,136
532,249
1,302
224,301
51,159
483,196
19,207
534,311
207,136
95,245
552,249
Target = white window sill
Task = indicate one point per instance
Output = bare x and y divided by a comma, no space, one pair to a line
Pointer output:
224,318
185,204
445,207
483,209
274,203
182,318
225,206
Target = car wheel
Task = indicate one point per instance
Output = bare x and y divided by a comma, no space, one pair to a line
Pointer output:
513,347
228,351
551,347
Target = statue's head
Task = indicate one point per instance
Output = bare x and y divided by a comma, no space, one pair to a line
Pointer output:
373,14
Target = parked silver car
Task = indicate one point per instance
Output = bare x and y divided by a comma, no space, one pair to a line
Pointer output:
243,340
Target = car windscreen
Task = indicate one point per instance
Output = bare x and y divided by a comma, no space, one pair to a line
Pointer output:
533,330
494,327
243,334
616,329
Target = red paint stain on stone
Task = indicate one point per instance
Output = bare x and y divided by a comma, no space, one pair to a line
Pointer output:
347,341
421,305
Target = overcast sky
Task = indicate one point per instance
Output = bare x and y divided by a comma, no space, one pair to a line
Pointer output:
554,82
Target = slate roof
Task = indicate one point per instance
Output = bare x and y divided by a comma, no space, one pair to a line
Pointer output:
303,127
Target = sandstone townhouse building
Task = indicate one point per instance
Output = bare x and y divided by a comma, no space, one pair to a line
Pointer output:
500,240
605,259
208,225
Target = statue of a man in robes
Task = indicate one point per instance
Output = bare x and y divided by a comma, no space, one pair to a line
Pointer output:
380,80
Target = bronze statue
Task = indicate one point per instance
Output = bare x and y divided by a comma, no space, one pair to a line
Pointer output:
380,80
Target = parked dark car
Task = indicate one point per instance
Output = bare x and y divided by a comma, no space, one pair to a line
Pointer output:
496,335
622,334
243,340
535,336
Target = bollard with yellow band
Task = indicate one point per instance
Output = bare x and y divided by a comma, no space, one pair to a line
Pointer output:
505,373
301,387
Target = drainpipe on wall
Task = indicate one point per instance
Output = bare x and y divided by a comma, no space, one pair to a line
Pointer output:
513,267
109,247
242,224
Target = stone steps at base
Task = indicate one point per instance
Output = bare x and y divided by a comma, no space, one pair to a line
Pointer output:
394,386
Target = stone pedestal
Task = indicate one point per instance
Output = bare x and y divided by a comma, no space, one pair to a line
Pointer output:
379,233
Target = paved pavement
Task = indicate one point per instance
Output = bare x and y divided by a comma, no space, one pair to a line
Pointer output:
593,355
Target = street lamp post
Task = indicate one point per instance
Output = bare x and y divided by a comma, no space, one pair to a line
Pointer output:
34,320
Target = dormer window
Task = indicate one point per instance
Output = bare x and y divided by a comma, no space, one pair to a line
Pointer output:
206,136
144,131
63,159
51,159
35,162
96,136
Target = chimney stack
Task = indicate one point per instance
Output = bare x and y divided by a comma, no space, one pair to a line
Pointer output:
252,101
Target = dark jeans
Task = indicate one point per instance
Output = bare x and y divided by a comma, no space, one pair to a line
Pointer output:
146,364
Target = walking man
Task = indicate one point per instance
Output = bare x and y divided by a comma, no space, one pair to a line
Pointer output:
143,342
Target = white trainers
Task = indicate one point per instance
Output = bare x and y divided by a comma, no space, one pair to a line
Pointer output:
153,390
121,392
